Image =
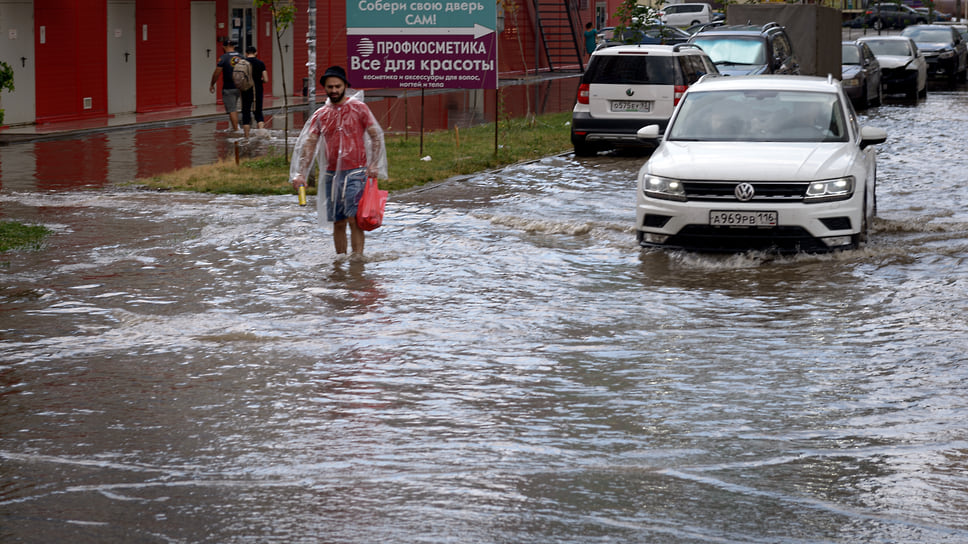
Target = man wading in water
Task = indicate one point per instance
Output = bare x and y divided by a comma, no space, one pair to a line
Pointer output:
344,137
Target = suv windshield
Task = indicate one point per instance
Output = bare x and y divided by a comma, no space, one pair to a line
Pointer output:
630,70
759,115
733,49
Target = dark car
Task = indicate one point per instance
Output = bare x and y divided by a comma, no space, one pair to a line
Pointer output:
695,29
943,48
749,49
933,16
860,74
903,68
890,15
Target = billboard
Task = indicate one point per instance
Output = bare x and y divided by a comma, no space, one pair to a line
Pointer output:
422,44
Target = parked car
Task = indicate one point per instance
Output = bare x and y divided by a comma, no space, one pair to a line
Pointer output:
903,67
626,87
695,29
652,34
892,15
774,163
749,50
932,16
943,48
860,74
686,14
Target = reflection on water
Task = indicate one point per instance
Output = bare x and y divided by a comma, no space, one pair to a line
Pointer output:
102,159
506,366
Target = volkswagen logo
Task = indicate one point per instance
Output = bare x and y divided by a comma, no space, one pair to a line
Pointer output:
744,192
629,92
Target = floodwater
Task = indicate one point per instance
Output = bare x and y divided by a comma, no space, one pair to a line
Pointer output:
506,366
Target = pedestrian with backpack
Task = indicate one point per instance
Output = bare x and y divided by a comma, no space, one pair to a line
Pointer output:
253,95
230,92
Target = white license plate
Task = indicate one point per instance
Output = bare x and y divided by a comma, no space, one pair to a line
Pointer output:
742,219
634,106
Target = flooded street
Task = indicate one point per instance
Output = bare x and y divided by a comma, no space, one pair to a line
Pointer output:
507,366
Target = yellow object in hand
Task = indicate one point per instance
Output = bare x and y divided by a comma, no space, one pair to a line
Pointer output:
302,195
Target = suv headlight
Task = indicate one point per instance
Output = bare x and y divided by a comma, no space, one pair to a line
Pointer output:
946,54
664,188
830,189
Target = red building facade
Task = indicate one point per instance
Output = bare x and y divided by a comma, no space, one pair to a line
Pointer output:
89,59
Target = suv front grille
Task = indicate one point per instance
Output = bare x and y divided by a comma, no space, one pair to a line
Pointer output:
763,191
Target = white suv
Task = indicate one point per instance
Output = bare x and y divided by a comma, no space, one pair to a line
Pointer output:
626,87
774,163
686,14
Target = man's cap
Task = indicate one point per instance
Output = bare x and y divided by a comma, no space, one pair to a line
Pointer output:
334,71
227,42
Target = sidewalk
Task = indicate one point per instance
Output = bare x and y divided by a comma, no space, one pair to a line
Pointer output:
42,131
272,105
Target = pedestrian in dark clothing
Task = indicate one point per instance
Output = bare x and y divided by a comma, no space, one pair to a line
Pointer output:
255,94
230,94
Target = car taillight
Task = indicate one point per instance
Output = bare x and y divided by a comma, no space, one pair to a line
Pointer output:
583,93
679,89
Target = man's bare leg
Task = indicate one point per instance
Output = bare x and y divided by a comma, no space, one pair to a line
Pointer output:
357,236
339,236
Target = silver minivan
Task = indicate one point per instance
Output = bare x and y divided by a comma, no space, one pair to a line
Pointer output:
686,14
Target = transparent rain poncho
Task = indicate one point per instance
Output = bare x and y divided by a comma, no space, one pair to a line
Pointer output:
341,139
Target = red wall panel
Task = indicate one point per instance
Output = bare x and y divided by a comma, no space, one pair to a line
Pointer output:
267,47
330,40
164,58
70,61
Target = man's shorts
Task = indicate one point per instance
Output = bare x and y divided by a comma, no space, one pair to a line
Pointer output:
230,97
344,200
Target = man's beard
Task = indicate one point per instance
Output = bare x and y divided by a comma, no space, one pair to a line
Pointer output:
336,98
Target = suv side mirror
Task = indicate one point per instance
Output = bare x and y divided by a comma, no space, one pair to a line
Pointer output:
871,136
649,132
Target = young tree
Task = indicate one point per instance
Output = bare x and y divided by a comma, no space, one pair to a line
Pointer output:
6,81
633,19
283,15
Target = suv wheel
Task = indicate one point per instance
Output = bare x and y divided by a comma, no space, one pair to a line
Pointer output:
878,24
583,149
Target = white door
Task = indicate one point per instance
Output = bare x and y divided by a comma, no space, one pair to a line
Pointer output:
242,24
205,51
17,50
122,75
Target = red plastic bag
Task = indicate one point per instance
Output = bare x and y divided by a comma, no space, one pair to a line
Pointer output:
369,212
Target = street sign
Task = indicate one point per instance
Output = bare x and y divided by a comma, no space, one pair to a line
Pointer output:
422,44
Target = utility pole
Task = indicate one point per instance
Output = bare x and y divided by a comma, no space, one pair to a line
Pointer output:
311,62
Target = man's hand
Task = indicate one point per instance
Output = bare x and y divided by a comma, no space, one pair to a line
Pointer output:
298,181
